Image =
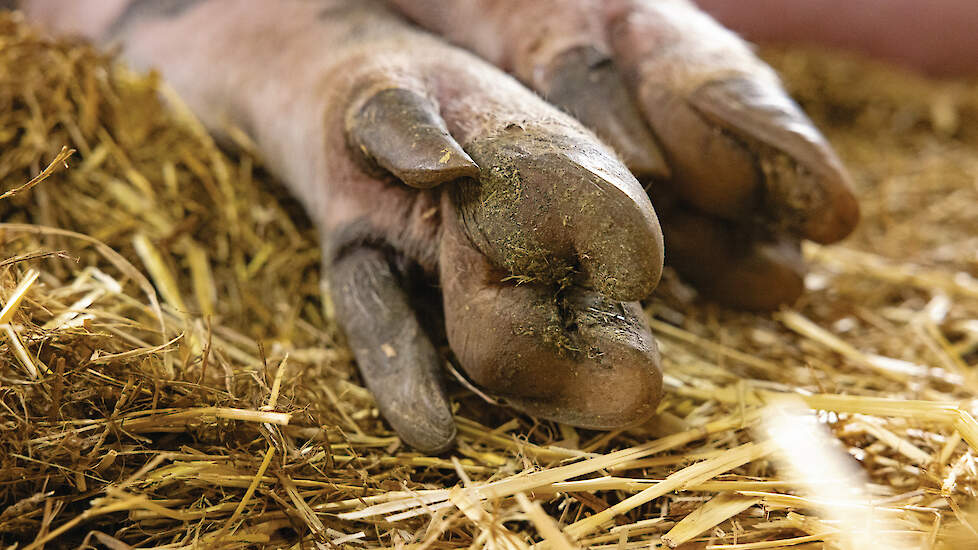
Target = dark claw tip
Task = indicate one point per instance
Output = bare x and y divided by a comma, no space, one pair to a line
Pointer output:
395,356
402,132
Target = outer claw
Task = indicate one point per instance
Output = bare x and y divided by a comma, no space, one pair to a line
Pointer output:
395,356
807,189
402,132
610,378
571,356
585,82
556,210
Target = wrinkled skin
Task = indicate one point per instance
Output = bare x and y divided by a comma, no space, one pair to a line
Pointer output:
424,165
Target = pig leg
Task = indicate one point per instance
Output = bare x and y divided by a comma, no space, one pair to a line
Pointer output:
540,238
685,102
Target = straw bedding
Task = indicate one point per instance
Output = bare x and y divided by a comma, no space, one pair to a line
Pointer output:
170,376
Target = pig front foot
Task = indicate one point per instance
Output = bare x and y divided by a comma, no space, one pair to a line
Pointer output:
737,173
542,244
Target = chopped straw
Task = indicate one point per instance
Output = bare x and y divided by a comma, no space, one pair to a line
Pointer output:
172,378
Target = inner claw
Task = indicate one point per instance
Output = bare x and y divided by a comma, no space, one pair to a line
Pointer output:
557,210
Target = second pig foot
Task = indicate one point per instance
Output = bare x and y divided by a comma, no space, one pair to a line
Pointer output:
689,107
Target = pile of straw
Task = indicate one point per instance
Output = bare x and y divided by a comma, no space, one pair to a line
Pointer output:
170,377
